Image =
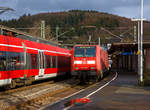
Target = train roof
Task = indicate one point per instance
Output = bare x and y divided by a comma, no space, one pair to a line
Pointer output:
24,35
91,46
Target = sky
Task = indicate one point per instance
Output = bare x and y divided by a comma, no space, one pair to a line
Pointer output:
124,8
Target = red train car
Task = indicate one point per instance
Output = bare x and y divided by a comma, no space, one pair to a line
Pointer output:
89,61
23,61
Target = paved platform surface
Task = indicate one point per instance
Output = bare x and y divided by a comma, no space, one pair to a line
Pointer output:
121,94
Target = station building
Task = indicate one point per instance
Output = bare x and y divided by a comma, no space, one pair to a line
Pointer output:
124,57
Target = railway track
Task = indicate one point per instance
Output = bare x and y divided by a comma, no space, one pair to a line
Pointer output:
5,91
10,99
39,96
10,91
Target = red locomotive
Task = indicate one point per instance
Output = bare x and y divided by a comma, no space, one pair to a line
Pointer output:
23,61
89,61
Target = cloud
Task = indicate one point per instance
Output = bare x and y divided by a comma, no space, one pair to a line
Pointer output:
130,12
127,8
146,11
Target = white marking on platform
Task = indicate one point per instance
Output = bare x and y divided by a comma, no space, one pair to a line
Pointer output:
102,87
96,90
79,92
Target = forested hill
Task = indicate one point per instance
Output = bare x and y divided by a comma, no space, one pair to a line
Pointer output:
76,25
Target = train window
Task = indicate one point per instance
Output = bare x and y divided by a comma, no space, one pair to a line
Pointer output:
54,61
15,61
90,52
85,51
48,61
2,61
60,63
79,52
34,61
68,60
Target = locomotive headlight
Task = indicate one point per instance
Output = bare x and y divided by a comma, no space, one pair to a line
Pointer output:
77,62
91,62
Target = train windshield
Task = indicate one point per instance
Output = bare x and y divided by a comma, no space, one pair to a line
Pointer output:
87,51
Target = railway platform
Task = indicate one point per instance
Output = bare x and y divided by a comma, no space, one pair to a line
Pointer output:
121,93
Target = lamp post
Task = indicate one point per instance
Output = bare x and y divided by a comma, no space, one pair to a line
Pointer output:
141,46
4,9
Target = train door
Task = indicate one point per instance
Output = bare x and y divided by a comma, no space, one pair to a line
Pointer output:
41,63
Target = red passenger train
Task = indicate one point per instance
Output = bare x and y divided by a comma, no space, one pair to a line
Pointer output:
89,61
23,61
